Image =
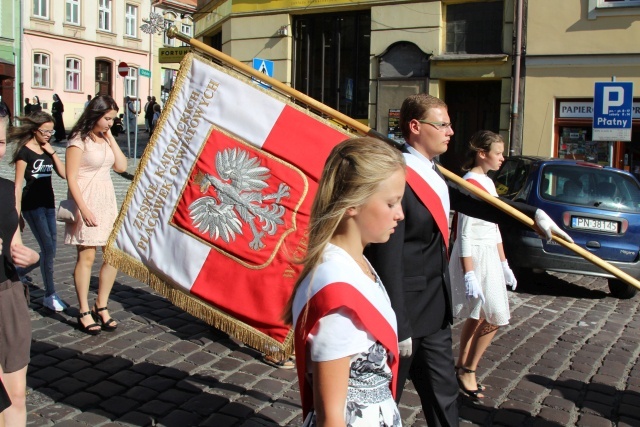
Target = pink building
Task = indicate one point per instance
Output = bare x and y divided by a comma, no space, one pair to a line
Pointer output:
72,48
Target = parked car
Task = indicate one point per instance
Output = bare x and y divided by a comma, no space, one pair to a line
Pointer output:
599,207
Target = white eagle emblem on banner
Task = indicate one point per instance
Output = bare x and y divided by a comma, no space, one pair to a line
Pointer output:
239,199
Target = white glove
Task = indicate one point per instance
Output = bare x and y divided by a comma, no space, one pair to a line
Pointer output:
472,287
406,347
508,275
549,227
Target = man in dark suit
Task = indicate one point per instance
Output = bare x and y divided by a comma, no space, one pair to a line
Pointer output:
413,264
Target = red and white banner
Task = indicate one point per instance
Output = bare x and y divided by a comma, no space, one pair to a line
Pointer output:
219,205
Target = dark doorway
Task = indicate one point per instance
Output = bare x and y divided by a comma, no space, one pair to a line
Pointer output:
472,106
331,60
103,78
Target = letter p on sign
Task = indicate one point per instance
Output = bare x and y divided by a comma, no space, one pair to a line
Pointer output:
613,96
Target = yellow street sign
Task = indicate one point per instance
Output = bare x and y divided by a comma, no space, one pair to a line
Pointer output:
172,54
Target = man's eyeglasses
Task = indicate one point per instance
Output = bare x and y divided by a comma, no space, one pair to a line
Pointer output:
47,132
438,125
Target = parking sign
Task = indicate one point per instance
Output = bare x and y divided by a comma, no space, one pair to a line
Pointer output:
612,111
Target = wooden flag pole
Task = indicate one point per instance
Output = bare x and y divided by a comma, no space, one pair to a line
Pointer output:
173,32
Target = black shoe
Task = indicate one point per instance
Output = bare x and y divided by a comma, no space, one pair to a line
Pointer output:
473,394
92,329
110,325
480,386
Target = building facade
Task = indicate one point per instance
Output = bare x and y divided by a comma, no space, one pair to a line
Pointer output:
166,52
72,48
570,46
364,58
10,54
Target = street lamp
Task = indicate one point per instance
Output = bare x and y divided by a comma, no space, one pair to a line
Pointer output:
155,24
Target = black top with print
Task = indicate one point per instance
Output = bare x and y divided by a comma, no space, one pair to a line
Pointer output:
38,192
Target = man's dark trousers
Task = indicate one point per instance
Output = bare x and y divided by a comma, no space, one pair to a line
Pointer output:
431,369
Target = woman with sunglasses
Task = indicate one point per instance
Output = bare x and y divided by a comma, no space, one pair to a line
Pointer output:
35,160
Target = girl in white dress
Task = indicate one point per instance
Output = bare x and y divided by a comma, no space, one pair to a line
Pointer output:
479,269
345,329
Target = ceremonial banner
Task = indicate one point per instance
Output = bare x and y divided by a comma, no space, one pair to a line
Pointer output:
218,208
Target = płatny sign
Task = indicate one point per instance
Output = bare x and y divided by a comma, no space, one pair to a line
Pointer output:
612,111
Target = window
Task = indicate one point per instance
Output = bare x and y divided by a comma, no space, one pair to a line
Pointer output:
131,83
474,28
72,12
72,75
167,24
186,30
131,21
104,15
618,3
332,60
40,9
40,70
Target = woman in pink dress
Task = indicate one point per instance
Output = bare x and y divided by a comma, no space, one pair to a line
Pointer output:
92,152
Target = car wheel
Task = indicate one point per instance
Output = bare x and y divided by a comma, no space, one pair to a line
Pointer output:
621,290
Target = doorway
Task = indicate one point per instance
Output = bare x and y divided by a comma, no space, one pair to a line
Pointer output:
104,78
473,106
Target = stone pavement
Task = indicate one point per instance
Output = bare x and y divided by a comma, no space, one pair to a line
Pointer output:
568,359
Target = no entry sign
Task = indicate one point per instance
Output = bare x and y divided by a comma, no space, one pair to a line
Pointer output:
123,69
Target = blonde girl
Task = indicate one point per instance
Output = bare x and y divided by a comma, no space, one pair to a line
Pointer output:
345,328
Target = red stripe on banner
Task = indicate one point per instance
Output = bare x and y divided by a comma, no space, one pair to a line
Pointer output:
329,298
303,141
431,201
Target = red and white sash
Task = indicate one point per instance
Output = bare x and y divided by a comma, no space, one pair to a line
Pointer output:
431,189
338,283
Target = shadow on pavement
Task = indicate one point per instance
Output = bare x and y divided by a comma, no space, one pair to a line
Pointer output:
593,399
550,285
94,388
162,366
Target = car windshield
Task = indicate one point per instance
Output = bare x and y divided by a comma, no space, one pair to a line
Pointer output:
590,186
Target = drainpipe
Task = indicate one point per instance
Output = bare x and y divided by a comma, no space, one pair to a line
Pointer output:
516,81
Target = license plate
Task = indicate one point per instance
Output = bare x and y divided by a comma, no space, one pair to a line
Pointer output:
594,224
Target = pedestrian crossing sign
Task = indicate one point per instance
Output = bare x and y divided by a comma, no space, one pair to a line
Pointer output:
265,67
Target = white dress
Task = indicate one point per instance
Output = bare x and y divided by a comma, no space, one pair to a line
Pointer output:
337,335
479,239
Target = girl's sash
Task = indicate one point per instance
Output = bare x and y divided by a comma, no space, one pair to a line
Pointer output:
432,191
336,285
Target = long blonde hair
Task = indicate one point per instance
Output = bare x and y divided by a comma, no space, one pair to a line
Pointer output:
350,176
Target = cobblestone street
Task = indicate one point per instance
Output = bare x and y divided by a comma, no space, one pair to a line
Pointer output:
569,358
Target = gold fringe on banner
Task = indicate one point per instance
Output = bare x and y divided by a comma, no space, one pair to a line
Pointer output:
198,308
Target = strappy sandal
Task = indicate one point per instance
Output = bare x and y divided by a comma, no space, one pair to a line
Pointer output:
110,325
89,329
284,363
473,394
480,386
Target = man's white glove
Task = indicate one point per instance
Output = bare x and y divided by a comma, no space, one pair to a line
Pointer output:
472,286
509,277
406,347
549,227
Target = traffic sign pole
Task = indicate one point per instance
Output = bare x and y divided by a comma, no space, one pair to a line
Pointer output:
123,70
